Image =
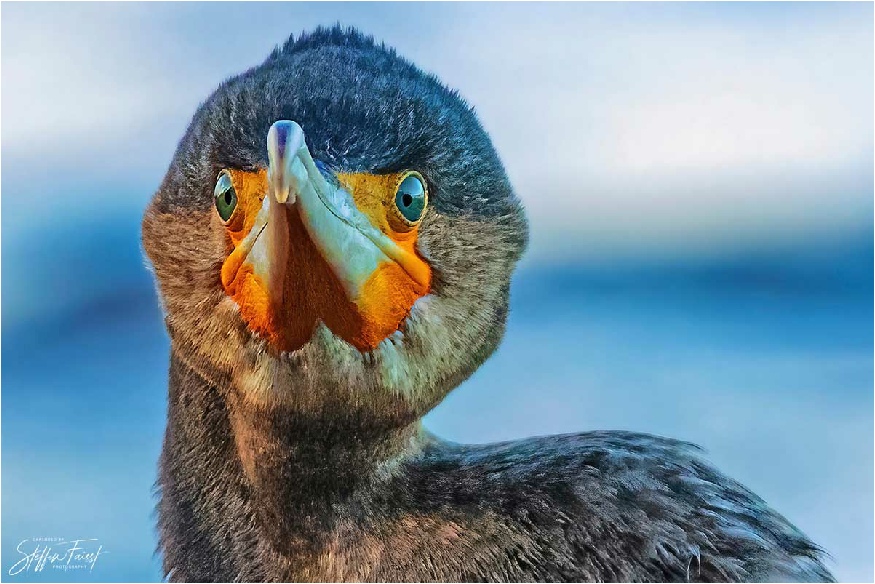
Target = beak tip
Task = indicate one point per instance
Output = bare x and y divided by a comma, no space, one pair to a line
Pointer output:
284,139
284,195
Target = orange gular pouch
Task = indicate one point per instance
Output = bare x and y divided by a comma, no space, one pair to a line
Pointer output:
282,282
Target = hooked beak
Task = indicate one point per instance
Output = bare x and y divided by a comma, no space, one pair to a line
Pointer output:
347,239
320,258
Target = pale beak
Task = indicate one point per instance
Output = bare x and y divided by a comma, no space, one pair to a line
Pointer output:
351,245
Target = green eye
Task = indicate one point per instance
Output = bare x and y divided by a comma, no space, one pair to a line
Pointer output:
411,197
226,196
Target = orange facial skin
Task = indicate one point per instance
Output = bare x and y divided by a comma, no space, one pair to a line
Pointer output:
306,291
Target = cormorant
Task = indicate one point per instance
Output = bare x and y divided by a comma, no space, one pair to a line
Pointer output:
333,244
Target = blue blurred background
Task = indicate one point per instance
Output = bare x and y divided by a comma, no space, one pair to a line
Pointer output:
699,181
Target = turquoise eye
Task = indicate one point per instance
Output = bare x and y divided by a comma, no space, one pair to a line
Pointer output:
226,196
411,198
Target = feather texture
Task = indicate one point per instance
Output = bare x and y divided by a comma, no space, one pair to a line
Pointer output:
312,465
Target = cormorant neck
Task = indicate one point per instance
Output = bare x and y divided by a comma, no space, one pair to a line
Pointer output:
304,468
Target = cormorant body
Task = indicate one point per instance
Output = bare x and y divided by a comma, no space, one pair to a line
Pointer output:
293,449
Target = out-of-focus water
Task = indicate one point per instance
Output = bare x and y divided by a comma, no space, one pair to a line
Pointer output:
766,362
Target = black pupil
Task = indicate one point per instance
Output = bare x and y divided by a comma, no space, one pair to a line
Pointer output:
228,197
406,199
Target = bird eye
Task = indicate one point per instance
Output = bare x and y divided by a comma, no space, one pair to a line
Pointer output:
411,197
226,196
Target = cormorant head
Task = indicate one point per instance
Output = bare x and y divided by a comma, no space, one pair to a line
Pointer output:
335,233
